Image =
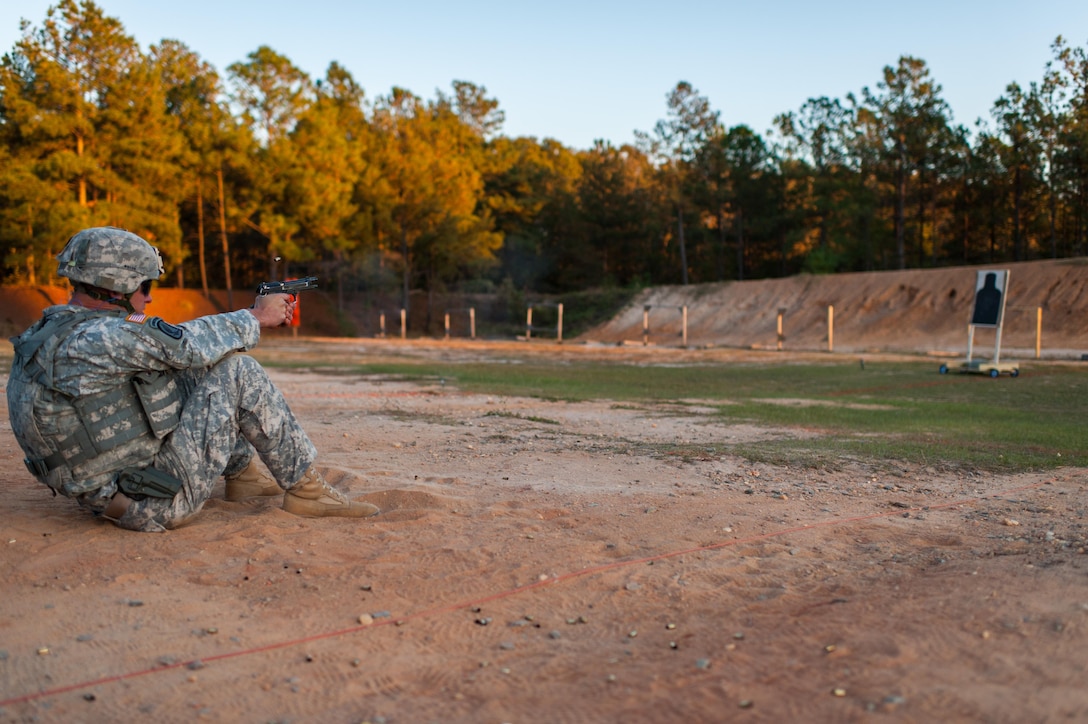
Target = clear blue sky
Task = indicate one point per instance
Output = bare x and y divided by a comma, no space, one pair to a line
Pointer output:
581,71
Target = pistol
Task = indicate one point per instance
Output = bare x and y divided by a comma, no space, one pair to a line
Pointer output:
290,287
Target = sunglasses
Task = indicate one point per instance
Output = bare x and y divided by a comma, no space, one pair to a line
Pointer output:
145,287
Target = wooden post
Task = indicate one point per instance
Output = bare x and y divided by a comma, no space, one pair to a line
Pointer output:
645,325
403,323
830,328
529,324
781,338
381,325
472,322
1038,333
447,326
684,326
559,329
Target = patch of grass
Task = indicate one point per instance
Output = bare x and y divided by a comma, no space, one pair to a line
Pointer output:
886,411
685,452
518,416
425,417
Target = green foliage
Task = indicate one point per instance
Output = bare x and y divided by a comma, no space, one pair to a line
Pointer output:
822,261
586,309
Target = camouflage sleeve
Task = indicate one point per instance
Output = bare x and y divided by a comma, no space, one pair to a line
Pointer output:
207,340
97,352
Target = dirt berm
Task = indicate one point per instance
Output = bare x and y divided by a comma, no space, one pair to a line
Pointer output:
915,311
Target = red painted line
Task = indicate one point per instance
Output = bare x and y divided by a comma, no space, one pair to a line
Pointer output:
571,575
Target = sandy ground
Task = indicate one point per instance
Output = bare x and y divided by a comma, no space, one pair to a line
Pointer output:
552,562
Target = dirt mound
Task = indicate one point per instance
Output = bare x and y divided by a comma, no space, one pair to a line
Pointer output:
900,311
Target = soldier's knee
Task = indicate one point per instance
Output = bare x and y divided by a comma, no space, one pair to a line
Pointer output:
240,367
238,362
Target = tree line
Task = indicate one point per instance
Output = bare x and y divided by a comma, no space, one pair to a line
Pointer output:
265,172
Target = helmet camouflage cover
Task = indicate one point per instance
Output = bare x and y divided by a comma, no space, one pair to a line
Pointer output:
109,258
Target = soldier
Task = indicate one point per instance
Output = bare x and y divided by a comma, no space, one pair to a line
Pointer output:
136,418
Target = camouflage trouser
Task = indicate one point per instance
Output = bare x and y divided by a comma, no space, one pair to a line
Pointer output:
230,410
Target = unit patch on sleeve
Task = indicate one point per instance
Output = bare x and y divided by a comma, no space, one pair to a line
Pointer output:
170,330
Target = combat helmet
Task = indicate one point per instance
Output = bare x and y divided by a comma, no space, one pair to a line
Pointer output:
109,258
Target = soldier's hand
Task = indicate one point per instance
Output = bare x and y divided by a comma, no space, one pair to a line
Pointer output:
273,310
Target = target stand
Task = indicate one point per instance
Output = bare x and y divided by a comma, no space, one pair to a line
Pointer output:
989,312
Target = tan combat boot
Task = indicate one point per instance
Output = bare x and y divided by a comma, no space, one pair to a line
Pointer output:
314,497
251,483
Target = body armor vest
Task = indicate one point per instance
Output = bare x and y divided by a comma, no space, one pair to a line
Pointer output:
77,444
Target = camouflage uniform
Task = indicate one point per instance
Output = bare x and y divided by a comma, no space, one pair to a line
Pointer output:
225,406
137,418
